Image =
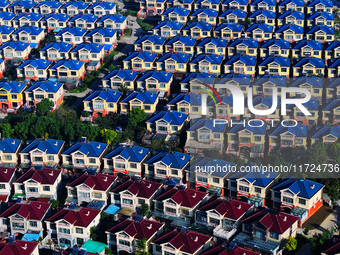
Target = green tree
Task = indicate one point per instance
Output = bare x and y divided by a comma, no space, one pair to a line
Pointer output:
108,251
142,247
54,204
144,209
291,244
334,151
317,154
44,106
6,130
108,135
93,232
136,119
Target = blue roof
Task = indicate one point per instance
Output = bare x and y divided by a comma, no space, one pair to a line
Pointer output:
47,86
173,118
85,17
332,105
333,63
146,97
89,148
179,98
109,95
255,128
178,11
30,30
247,60
6,30
324,2
332,45
130,153
250,43
69,64
208,12
299,130
80,5
126,75
297,15
326,29
237,13
105,5
49,146
232,27
57,16
240,2
269,2
160,76
4,3
302,188
145,56
298,3
212,59
313,44
219,42
315,82
317,62
9,145
211,1
312,104
175,160
268,14
171,24
106,32
324,130
91,47
325,15
295,28
61,47
186,40
209,165
30,16
155,39
13,86
282,61
183,1
264,27
178,57
17,46
7,15
204,26
280,43
117,18
204,77
25,4
51,4
76,31
241,79
259,178
208,124
267,101
333,83
37,63
278,80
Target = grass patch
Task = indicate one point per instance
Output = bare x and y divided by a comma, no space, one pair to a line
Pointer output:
147,24
69,100
318,217
128,32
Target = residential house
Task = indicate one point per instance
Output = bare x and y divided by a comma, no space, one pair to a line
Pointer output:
138,61
69,227
207,4
176,14
84,154
291,5
167,122
228,31
240,65
56,51
73,8
239,80
159,82
243,47
235,5
290,33
165,165
248,139
205,15
117,78
197,30
300,197
321,34
12,96
187,103
4,5
232,16
105,36
151,8
206,63
87,21
27,20
291,18
333,68
275,48
20,247
312,106
125,235
31,35
186,4
7,175
274,66
150,43
90,188
320,19
143,100
133,194
320,6
210,45
264,85
73,35
126,159
332,89
34,69
19,7
9,151
332,49
263,103
68,69
308,66
54,91
307,48
117,22
325,134
168,29
23,218
86,52
262,5
181,44
263,17
102,102
102,8
193,81
56,21
38,183
6,33
173,62
47,7
259,32
6,18
331,112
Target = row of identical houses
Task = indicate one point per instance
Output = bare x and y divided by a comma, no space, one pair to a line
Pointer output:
152,8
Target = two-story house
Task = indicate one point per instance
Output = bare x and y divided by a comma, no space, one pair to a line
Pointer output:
55,21
145,100
120,78
164,122
176,14
228,31
9,151
31,35
150,43
56,51
291,18
138,61
12,50
6,33
331,112
73,35
181,44
47,7
291,5
27,19
290,33
232,16
67,69
12,96
104,36
197,30
210,45
73,8
259,32
168,29
205,15
275,48
7,176
321,34
87,21
117,22
173,62
325,134
308,66
155,81
34,69
243,47
102,8
236,64
206,63
274,66
307,48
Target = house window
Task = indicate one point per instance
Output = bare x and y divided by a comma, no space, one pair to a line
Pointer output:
33,224
97,195
64,231
233,184
302,201
124,243
40,72
202,179
247,227
80,240
133,165
46,188
79,230
214,221
14,96
32,190
92,160
4,221
216,180
50,95
174,172
127,201
274,235
8,157
141,201
258,190
2,186
50,157
158,248
277,194
288,200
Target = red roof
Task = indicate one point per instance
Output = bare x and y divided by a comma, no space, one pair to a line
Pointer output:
19,248
81,218
187,198
277,222
44,176
32,211
3,197
99,182
138,230
334,249
229,209
144,188
189,242
224,250
6,174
